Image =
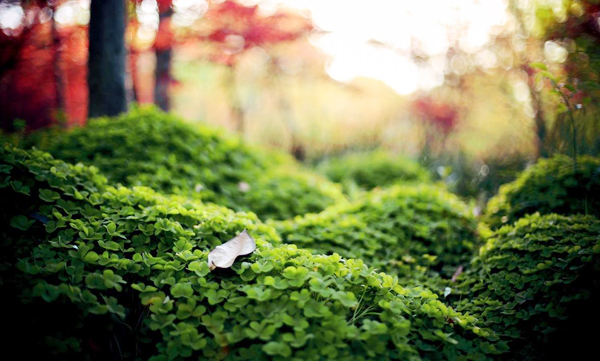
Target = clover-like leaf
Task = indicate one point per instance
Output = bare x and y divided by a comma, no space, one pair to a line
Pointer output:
95,281
49,195
182,290
200,268
21,222
296,275
258,293
112,280
274,348
347,299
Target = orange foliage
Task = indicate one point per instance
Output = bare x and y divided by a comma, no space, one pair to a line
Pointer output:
29,72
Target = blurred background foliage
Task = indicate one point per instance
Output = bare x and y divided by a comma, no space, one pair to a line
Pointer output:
263,69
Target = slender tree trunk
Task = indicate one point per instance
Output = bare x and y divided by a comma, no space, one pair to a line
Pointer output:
541,131
164,52
163,78
130,79
540,124
58,79
133,74
107,58
287,113
237,112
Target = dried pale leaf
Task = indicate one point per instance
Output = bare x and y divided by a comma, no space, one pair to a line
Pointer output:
457,273
224,255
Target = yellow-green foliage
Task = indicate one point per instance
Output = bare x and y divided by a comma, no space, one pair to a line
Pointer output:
395,229
155,149
92,271
550,186
373,169
285,192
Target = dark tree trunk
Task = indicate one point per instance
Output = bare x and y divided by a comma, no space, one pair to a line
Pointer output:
540,129
107,58
163,78
58,79
133,74
164,52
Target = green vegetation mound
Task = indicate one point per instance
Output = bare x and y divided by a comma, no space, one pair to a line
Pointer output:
150,148
396,230
372,169
92,271
550,186
286,192
538,285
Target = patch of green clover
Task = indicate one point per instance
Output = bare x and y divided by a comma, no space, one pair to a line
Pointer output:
147,147
372,169
537,284
109,272
285,192
403,230
550,186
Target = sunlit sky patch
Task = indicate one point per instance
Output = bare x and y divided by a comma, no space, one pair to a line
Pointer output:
10,16
374,39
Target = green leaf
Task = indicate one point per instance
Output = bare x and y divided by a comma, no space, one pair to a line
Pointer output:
20,187
91,257
182,290
110,245
540,66
348,299
21,222
49,195
277,349
200,268
95,281
258,293
111,228
112,280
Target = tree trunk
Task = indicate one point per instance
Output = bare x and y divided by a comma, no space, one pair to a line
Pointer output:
61,108
163,51
287,113
107,58
235,106
163,79
133,74
541,130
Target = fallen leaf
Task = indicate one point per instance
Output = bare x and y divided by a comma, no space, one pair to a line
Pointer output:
224,255
243,187
457,273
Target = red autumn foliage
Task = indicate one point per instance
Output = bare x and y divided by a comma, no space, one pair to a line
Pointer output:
33,56
442,116
233,28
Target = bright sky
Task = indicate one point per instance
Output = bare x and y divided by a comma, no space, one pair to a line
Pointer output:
356,26
363,38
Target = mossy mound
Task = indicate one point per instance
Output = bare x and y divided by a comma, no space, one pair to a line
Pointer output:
146,147
537,284
369,170
286,192
93,271
550,186
397,230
